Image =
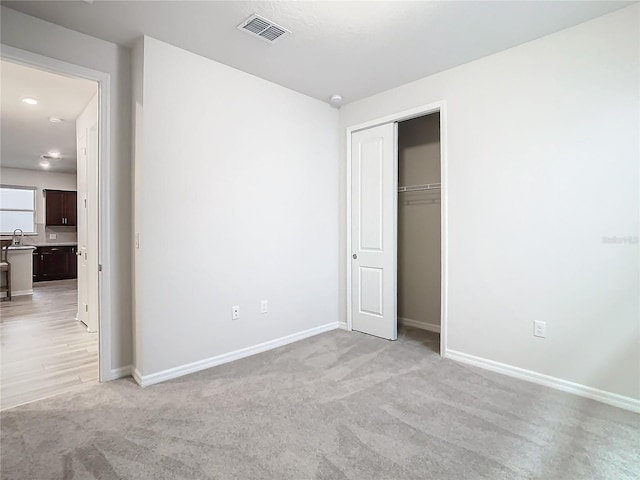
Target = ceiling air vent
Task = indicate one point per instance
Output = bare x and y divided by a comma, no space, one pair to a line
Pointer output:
262,28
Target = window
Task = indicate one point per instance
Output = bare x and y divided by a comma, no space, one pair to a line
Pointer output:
17,209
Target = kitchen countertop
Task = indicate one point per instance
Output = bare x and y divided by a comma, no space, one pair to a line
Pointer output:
21,247
54,244
25,246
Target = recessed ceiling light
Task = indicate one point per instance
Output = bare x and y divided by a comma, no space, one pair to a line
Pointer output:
54,154
30,101
44,164
55,119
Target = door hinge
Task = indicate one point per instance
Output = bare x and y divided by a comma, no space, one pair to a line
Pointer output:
86,307
99,267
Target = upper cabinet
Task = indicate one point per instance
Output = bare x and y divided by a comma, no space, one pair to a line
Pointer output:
61,207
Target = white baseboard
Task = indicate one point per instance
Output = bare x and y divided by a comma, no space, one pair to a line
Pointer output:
153,378
121,372
343,326
17,293
603,396
432,327
137,377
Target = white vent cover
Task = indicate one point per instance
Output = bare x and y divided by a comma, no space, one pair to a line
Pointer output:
262,28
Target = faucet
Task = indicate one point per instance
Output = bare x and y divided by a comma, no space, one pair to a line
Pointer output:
17,240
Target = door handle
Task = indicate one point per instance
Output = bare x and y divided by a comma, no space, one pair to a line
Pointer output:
78,254
355,257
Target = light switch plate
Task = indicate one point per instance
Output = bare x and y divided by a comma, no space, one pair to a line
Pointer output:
53,236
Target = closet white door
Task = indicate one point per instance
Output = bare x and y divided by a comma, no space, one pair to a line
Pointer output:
374,168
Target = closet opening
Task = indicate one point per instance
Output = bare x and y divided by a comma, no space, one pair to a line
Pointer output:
397,226
419,220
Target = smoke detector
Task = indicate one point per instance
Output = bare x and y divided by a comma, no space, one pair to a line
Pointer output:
336,100
264,29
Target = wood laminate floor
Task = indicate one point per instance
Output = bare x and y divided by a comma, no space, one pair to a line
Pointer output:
45,351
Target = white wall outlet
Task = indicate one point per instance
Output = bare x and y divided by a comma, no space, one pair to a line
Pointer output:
539,329
235,313
264,306
53,236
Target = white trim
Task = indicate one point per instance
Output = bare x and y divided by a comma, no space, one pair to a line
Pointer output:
137,376
444,227
103,79
343,326
18,293
153,378
394,193
400,116
603,396
349,232
121,372
440,106
432,327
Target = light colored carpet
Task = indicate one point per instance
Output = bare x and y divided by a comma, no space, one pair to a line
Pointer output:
337,406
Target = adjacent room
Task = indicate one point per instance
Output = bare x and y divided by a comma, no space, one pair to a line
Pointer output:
49,345
330,240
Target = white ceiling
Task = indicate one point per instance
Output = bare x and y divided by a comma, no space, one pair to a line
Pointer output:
26,130
354,48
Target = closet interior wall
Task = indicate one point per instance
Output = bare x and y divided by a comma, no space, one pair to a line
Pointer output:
419,223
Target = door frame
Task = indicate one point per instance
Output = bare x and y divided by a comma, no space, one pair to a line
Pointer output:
103,79
441,107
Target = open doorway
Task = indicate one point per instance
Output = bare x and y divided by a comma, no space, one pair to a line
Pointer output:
49,316
419,228
397,225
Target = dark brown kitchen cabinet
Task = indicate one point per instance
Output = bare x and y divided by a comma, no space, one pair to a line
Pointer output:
54,263
61,207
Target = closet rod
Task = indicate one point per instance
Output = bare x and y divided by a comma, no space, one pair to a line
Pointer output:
419,188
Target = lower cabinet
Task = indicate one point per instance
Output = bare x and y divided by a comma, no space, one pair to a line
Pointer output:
54,263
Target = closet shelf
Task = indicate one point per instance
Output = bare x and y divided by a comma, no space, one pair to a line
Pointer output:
419,188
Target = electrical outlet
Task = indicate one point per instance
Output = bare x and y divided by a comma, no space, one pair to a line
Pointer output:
53,236
264,306
539,329
235,313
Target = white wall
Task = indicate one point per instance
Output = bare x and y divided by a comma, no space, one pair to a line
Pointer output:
419,221
543,163
44,38
236,201
40,179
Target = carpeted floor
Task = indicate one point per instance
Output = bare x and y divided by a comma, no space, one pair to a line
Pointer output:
337,406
